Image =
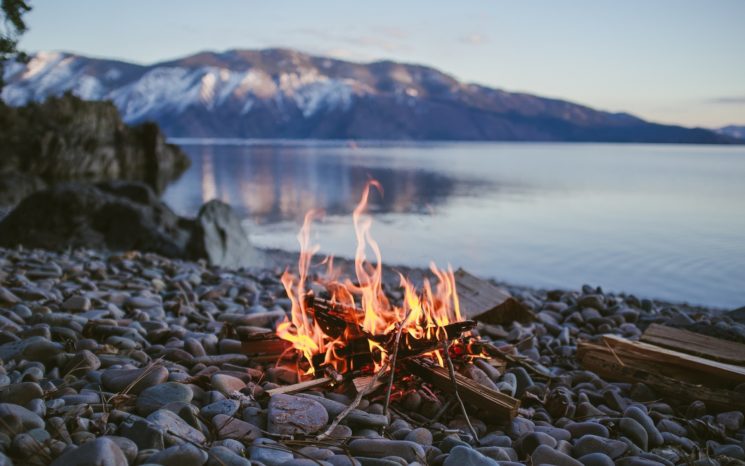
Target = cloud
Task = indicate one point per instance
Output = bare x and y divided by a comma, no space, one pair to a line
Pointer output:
474,39
728,100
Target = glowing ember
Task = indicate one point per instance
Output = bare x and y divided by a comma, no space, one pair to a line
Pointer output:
422,315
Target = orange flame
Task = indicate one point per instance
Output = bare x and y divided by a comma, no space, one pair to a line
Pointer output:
421,315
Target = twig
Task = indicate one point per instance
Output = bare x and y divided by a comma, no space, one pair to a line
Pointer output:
451,370
393,362
442,411
354,403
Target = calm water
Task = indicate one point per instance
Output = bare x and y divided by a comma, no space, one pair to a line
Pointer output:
659,221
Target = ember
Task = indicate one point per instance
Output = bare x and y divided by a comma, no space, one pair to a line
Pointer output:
355,323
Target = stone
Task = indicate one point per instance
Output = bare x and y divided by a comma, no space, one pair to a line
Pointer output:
15,419
273,455
100,452
379,448
221,456
420,435
81,363
653,434
133,380
356,417
530,441
596,459
232,428
596,444
180,455
465,456
77,304
170,421
220,237
226,407
156,397
579,429
144,434
668,425
21,393
731,420
342,460
226,384
635,432
114,216
288,415
35,348
547,455
128,447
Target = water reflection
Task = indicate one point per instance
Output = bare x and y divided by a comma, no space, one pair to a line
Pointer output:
659,221
278,183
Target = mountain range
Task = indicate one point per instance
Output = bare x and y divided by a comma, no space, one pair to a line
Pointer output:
281,93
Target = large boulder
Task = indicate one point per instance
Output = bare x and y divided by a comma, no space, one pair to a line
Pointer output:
112,216
65,138
122,216
219,236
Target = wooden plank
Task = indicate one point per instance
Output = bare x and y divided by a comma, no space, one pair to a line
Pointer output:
483,301
503,407
301,386
681,362
698,344
602,361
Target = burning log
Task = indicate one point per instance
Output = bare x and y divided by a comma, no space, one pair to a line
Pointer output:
497,404
482,301
264,347
358,354
614,364
695,343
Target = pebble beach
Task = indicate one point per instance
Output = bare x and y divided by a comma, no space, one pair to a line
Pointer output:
132,359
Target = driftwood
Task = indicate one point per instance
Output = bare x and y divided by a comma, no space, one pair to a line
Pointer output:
695,343
674,364
483,301
492,402
602,360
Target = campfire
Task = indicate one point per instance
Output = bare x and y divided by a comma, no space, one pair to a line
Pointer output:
344,332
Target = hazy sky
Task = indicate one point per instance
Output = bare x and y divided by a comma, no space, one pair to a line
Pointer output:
676,61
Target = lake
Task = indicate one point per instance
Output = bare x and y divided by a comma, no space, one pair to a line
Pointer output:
659,221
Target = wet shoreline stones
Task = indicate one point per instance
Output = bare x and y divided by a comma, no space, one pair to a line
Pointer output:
135,359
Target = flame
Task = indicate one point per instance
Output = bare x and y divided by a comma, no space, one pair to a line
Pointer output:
421,315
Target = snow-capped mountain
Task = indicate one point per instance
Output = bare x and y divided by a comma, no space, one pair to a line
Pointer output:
735,131
284,93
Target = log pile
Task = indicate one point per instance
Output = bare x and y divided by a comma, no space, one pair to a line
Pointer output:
480,299
677,363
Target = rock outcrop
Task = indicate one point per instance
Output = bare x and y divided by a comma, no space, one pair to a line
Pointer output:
121,216
66,138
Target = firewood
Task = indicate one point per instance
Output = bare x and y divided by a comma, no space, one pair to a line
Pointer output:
675,364
503,407
602,360
698,344
483,301
264,346
301,386
363,383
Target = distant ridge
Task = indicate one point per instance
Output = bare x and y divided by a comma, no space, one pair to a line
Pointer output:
280,93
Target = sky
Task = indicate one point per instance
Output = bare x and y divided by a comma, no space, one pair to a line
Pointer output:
670,61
